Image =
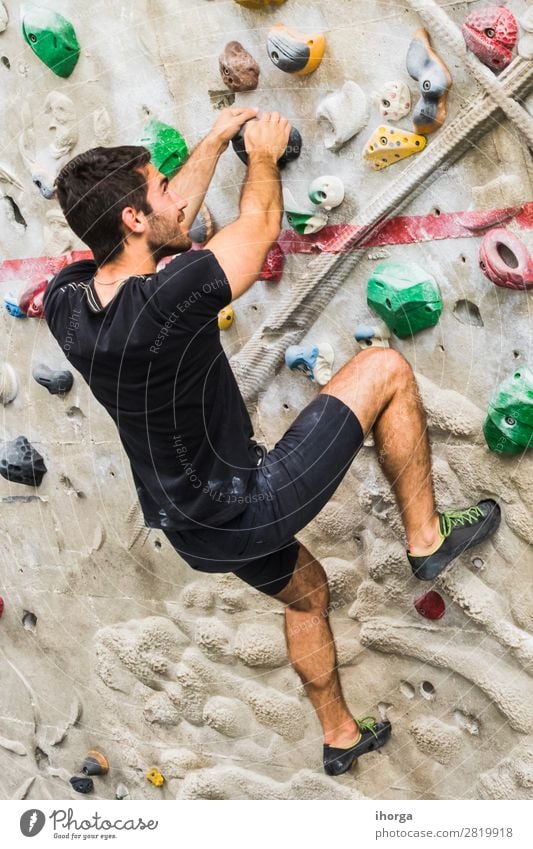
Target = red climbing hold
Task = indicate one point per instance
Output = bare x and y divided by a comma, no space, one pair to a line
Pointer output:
31,300
273,268
430,605
1,605
505,260
491,34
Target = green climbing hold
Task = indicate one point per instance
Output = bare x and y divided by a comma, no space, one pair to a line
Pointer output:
405,296
167,147
51,37
508,427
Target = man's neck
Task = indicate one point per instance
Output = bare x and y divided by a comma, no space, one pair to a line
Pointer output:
130,266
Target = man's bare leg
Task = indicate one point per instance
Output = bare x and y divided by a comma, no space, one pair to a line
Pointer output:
312,649
379,386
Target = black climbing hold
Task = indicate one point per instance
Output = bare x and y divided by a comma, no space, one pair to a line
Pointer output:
57,381
82,785
292,151
21,463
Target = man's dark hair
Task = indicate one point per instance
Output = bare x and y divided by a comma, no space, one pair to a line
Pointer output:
93,189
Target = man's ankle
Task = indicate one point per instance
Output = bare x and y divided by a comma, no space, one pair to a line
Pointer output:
427,539
345,734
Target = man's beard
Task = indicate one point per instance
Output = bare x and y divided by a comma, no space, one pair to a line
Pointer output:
166,238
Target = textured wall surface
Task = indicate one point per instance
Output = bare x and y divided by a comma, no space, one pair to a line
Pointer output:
132,653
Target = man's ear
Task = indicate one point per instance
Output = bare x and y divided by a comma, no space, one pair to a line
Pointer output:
133,220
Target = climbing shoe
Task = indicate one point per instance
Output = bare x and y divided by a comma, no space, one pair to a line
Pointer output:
373,736
459,531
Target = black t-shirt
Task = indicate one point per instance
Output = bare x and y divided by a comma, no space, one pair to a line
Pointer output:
153,358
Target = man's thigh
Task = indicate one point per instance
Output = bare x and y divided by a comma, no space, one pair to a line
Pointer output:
307,464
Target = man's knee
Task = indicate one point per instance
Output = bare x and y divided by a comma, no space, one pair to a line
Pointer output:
386,362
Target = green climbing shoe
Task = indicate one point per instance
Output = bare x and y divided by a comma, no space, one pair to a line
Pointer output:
459,530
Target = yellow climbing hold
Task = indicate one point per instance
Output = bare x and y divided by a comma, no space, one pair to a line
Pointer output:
388,145
225,317
155,777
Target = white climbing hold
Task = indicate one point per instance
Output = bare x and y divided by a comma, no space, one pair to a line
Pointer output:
304,221
393,100
4,17
326,192
8,384
342,114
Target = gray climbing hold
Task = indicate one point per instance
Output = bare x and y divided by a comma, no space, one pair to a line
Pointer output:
57,381
21,463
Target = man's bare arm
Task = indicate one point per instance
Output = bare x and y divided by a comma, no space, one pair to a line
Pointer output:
241,248
193,179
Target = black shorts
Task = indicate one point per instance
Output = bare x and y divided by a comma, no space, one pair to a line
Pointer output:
291,485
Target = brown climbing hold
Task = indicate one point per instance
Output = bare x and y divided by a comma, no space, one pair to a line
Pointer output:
238,68
95,764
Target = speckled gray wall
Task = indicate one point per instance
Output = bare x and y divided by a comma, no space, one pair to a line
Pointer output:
131,652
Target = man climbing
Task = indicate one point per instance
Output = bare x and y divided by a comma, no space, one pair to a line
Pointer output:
148,345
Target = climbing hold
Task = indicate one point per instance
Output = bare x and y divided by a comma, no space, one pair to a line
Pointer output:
167,147
405,296
430,605
21,463
95,764
315,361
57,381
4,18
326,192
434,82
82,785
293,52
491,33
202,229
238,68
259,4
51,37
8,384
225,317
292,151
1,605
155,777
122,791
12,306
304,221
393,100
508,427
505,260
273,267
342,114
525,44
388,145
374,335
31,299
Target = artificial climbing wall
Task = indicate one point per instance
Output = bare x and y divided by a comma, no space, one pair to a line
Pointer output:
107,640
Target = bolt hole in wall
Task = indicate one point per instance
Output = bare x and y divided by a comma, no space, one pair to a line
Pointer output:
29,620
427,690
436,211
